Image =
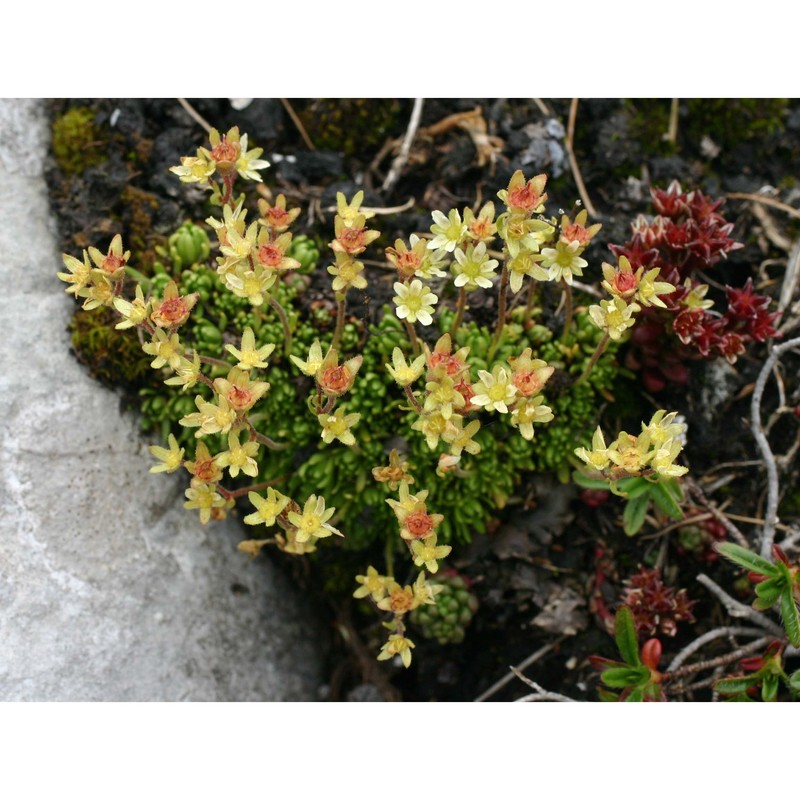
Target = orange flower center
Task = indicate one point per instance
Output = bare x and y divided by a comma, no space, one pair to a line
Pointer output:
524,197
352,239
225,151
576,233
418,524
335,379
112,262
527,383
277,217
467,392
449,363
240,398
172,311
206,470
401,601
480,228
625,282
270,255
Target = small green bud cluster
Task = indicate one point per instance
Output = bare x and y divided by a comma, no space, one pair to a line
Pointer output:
455,606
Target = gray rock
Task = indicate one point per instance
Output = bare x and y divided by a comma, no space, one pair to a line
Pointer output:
109,589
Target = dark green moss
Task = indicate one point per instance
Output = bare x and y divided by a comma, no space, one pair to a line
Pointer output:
76,143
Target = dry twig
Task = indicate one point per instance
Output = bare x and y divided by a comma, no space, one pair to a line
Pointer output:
737,609
710,636
194,114
405,148
540,694
531,659
771,513
297,123
767,201
573,162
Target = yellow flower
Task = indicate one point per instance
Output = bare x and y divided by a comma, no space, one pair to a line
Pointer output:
204,468
194,169
414,302
250,357
314,520
494,390
481,228
252,284
210,417
240,392
172,310
405,374
314,362
443,397
614,316
349,212
337,426
347,273
426,553
113,262
248,163
276,217
524,197
171,458
167,350
134,313
526,412
187,373
372,584
267,509
205,498
524,264
597,457
271,252
561,262
461,437
474,269
239,456
397,645
395,474
79,275
448,231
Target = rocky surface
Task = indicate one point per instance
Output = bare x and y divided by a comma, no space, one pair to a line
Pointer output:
109,590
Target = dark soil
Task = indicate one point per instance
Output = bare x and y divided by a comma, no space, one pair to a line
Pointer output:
553,568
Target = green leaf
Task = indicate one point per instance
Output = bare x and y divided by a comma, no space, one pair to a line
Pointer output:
769,688
673,487
636,696
622,677
768,592
634,487
747,559
633,516
625,635
794,681
665,502
585,482
791,616
735,685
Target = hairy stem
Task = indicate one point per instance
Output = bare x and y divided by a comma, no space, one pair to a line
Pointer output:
340,306
412,337
501,313
568,309
287,331
599,350
462,304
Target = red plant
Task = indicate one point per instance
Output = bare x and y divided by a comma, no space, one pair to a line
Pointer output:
688,235
656,608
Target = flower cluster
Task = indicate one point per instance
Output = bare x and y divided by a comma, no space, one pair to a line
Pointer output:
629,290
689,235
418,530
657,609
650,454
